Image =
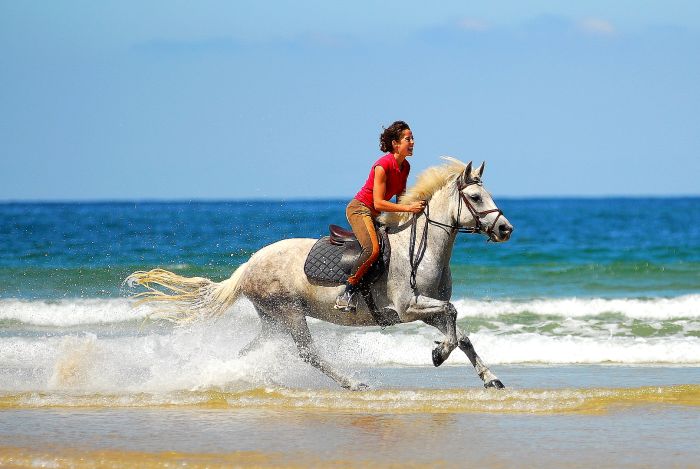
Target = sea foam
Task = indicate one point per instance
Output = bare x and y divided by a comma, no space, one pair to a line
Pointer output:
206,354
72,312
654,308
103,346
69,312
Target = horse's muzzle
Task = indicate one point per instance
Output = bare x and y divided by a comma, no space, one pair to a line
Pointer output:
504,232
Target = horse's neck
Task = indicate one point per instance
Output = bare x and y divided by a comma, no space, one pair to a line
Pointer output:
440,240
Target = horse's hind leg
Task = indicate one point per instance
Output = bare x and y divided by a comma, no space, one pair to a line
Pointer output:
299,330
268,327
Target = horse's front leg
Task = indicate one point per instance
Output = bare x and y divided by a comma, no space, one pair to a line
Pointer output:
490,380
443,315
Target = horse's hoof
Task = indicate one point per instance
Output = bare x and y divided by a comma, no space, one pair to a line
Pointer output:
359,387
495,384
437,357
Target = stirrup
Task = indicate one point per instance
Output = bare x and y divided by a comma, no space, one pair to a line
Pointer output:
347,301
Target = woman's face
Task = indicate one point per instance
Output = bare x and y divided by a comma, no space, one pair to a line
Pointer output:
404,147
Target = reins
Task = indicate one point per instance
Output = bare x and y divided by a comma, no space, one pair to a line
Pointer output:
412,257
415,258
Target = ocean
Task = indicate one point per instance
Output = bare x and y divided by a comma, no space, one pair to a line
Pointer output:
590,315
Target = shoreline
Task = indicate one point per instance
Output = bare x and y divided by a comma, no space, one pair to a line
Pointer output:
634,417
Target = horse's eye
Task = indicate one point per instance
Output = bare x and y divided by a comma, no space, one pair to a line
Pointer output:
475,197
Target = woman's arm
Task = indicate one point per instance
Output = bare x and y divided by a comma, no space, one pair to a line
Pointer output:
382,205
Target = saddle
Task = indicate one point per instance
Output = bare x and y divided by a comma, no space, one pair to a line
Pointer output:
332,258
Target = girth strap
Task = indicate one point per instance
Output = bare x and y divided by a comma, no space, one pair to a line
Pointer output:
383,318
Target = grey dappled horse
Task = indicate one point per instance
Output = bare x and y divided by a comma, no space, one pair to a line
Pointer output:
274,281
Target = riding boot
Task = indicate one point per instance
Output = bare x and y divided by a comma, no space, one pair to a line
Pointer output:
347,301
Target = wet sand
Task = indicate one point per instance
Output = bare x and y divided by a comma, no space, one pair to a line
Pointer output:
643,417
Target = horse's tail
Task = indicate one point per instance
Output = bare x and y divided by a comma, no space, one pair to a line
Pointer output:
182,299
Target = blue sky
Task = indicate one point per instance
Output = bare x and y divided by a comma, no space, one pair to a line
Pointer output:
253,99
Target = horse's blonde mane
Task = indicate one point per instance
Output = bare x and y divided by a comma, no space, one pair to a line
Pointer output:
427,184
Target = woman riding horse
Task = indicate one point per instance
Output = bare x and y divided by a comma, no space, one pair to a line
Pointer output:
387,178
416,287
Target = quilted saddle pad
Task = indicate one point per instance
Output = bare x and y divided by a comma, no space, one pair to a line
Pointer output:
330,265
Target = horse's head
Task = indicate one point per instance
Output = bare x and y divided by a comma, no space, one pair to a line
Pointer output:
472,210
477,212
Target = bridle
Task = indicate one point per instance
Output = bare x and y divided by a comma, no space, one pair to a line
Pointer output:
415,258
476,214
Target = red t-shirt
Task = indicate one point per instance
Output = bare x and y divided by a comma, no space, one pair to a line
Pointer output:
395,180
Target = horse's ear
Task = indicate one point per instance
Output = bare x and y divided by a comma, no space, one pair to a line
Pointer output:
466,175
480,170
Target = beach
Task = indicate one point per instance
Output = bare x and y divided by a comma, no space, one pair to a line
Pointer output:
548,417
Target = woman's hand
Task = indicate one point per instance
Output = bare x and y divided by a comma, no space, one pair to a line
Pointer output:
382,205
416,207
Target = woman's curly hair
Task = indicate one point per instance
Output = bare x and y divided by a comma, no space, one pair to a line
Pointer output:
391,134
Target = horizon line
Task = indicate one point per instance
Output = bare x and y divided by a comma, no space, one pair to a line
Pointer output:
319,199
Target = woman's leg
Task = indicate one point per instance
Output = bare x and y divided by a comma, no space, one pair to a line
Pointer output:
362,222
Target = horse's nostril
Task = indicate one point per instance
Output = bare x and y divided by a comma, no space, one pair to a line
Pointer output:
505,229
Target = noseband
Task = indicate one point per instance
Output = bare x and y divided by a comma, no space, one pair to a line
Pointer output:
478,227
